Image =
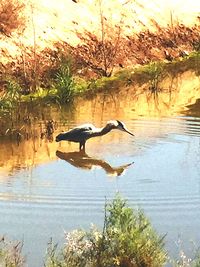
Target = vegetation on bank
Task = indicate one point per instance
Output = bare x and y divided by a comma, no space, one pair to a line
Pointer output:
126,240
107,61
66,86
98,63
11,253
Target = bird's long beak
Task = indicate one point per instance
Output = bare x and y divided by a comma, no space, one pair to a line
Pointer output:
127,131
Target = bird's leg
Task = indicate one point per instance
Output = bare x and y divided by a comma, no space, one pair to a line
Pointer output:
82,146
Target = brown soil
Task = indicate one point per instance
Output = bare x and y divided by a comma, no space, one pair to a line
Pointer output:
135,34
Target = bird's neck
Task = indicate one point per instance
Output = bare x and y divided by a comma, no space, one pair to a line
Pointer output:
102,131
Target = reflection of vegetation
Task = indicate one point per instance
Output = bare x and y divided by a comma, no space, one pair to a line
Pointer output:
155,71
194,109
66,84
43,74
111,46
95,56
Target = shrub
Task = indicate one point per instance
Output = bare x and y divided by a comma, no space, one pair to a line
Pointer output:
10,16
131,238
103,51
127,240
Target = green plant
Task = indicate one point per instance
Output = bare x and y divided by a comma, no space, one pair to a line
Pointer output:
11,95
133,240
127,239
197,260
52,259
5,105
154,70
13,90
64,84
10,253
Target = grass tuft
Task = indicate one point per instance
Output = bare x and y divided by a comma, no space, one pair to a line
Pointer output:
11,254
64,84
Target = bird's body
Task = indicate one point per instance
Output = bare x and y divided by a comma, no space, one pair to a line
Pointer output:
82,133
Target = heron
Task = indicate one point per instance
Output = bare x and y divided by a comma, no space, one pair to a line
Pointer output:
82,133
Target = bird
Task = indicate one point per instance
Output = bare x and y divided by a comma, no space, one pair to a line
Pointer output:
82,133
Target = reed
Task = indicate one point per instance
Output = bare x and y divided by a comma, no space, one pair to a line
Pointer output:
64,84
11,253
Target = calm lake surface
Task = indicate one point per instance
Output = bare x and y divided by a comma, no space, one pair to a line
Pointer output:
48,187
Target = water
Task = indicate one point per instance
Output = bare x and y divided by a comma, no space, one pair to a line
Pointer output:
46,187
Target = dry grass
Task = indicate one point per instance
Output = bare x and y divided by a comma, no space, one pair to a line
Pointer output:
10,17
11,253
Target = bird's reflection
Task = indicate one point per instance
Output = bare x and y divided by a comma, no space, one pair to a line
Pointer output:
80,159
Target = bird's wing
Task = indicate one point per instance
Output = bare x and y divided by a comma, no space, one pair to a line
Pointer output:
80,133
86,127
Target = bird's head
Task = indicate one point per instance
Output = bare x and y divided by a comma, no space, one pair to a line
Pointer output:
119,125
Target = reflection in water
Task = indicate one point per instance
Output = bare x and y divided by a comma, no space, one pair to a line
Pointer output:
81,160
36,204
35,128
193,109
137,100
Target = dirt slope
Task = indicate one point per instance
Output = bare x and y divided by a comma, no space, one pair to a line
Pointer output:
59,20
